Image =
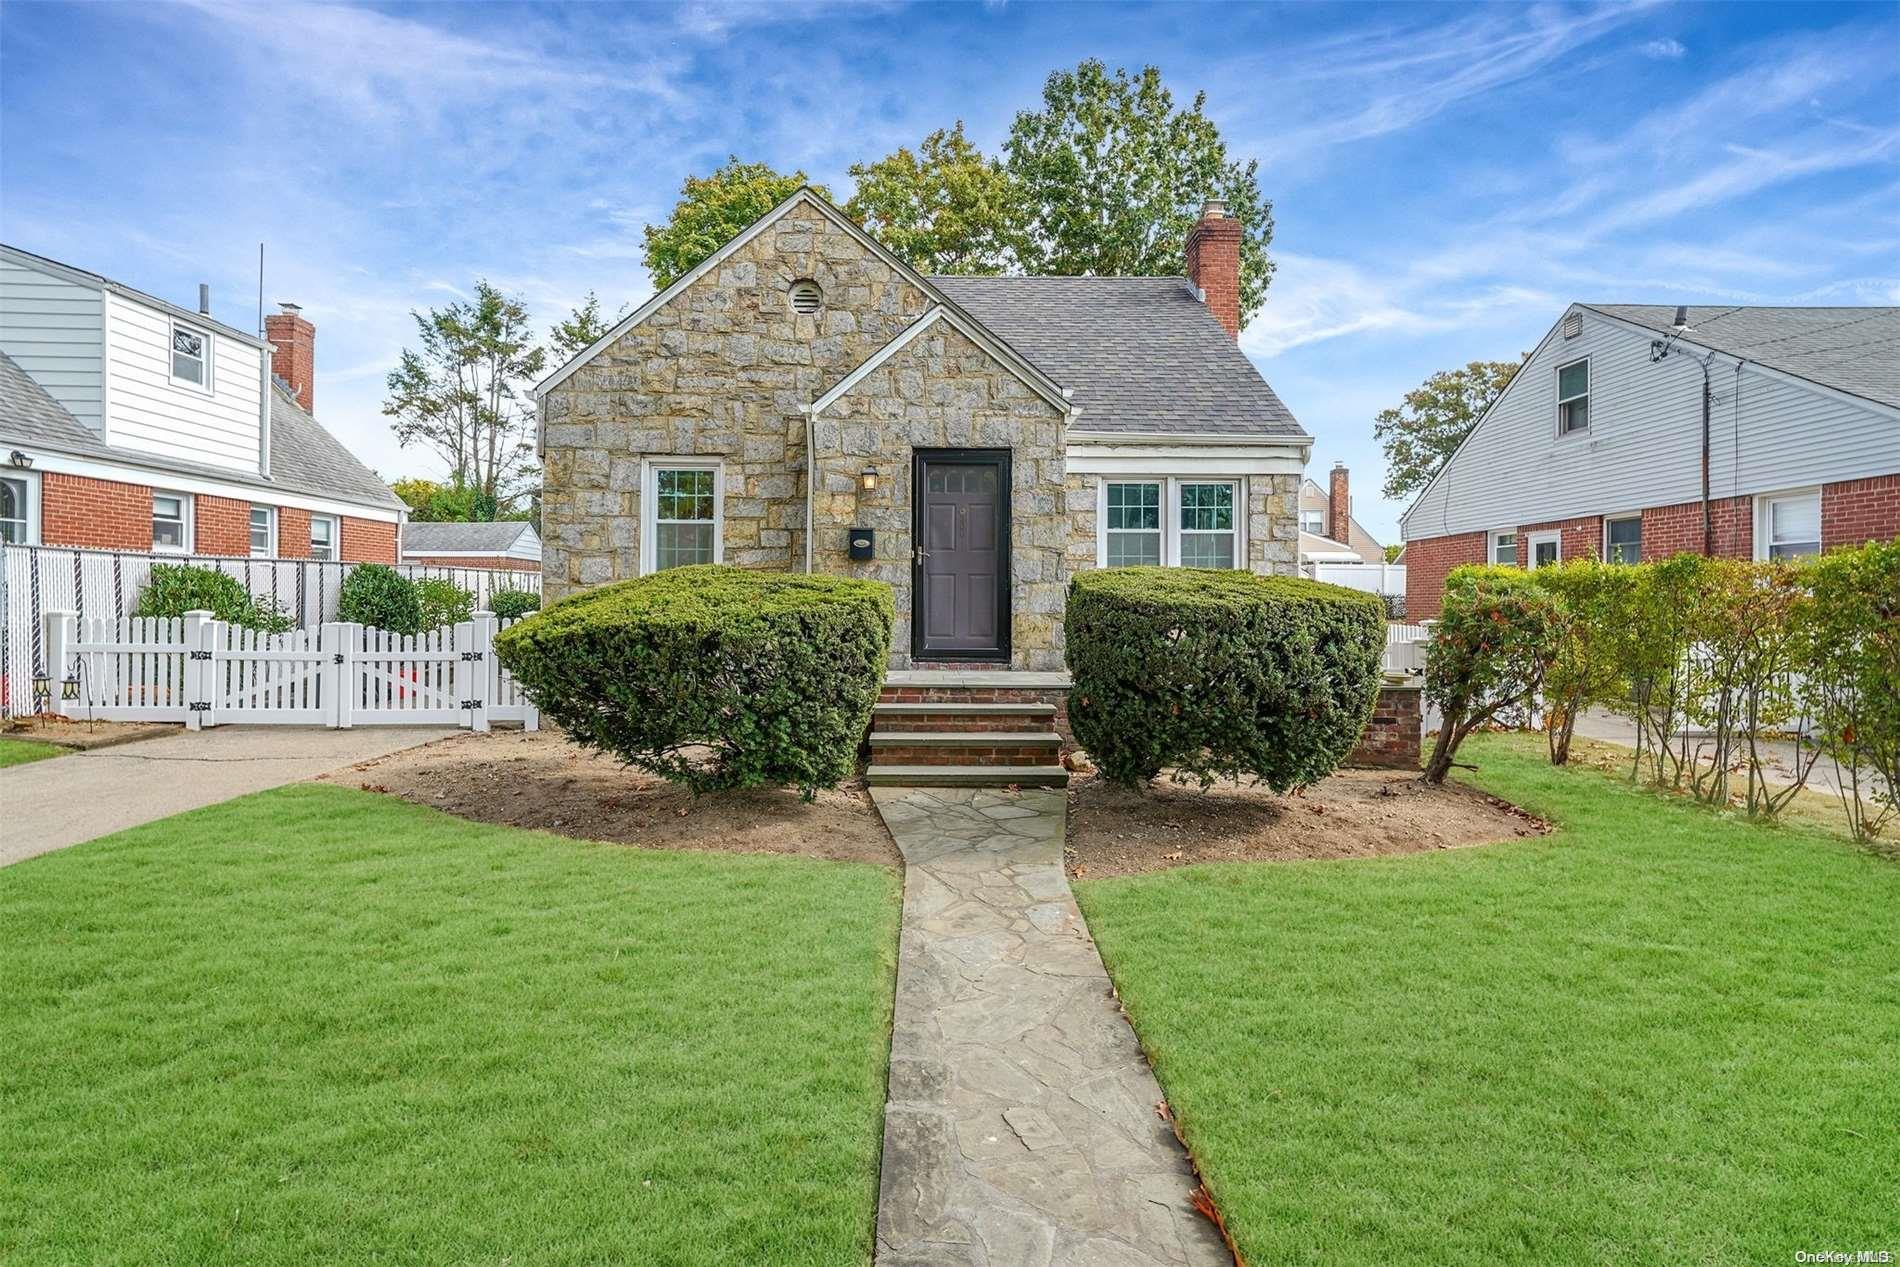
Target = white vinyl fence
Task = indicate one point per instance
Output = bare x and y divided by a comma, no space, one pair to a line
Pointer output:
206,672
1372,578
106,584
1405,648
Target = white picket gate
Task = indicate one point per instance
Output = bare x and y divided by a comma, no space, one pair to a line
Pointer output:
207,672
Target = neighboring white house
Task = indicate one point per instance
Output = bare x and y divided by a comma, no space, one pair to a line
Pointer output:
1638,431
507,544
129,423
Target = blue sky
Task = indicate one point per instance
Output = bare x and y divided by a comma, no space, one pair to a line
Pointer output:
1445,179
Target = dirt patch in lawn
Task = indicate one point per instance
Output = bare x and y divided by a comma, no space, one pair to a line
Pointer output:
539,780
84,735
1353,814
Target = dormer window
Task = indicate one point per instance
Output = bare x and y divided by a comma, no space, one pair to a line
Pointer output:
191,356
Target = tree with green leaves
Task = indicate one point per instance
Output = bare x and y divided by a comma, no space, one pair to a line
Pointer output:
1114,176
945,208
1434,420
582,329
464,393
713,210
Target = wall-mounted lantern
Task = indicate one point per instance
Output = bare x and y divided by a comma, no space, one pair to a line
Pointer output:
867,480
19,460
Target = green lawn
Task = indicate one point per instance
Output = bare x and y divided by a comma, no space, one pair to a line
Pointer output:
1654,1036
319,1025
21,751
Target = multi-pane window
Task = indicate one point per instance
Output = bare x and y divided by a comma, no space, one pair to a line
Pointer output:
1134,524
1791,526
322,537
261,544
191,356
14,525
1573,397
1207,525
1313,521
1504,548
685,516
168,521
1623,540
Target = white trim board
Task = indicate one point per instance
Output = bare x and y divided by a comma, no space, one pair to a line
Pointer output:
178,481
1001,352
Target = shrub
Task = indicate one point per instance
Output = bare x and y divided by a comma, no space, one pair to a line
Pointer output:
177,588
1584,667
1849,651
375,594
712,676
1494,639
443,602
513,604
1219,674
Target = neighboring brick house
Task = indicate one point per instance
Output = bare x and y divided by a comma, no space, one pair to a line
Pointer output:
510,544
971,440
1634,432
127,423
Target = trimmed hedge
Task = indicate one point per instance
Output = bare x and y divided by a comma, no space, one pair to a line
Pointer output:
378,595
513,604
1220,674
443,602
177,588
712,676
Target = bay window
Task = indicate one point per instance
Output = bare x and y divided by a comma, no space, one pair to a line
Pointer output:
1173,522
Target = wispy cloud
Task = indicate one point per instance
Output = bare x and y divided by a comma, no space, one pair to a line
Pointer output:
1665,50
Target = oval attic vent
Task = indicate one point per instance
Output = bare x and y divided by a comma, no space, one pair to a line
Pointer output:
806,297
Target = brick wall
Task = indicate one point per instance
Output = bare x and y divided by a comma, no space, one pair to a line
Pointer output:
76,510
1859,511
1213,264
365,540
1428,561
1392,738
222,525
293,533
1673,530
1580,538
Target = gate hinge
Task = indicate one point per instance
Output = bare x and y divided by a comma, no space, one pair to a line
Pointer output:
471,703
198,655
471,655
336,658
201,706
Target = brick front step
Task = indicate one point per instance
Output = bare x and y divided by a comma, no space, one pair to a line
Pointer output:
966,776
994,748
963,717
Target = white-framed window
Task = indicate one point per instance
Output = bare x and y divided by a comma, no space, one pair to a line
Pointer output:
1313,521
323,537
682,514
263,532
1504,548
1573,397
1788,525
1179,521
1546,548
1623,539
171,522
191,356
20,508
1133,532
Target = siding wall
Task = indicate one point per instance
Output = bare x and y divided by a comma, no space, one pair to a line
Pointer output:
149,412
51,327
1643,447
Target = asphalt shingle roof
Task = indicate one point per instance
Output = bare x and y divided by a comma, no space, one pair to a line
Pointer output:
420,538
1854,350
1141,354
304,457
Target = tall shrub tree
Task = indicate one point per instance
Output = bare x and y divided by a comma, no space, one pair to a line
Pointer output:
1434,419
1584,668
944,208
1489,652
1114,175
463,393
711,211
1850,661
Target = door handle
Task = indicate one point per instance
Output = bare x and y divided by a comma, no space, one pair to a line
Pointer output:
919,554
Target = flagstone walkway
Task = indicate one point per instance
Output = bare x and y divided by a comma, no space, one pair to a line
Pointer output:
1021,1128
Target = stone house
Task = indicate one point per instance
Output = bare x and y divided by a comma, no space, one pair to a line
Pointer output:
803,400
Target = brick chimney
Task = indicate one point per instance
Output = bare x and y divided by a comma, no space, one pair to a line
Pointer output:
1213,263
1339,506
293,355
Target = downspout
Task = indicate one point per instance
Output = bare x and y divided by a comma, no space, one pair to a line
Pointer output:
1708,522
811,474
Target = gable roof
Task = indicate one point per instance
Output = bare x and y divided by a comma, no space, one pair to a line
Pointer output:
465,538
304,458
1140,354
1853,350
87,278
1034,378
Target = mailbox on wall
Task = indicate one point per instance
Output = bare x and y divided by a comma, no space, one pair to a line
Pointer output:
863,545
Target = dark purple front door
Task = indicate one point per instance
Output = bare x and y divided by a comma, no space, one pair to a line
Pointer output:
961,569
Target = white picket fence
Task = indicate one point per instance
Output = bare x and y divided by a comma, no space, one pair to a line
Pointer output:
206,672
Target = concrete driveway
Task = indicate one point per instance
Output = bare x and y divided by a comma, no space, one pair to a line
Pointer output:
48,805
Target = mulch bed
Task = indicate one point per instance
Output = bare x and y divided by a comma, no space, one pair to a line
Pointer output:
84,735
